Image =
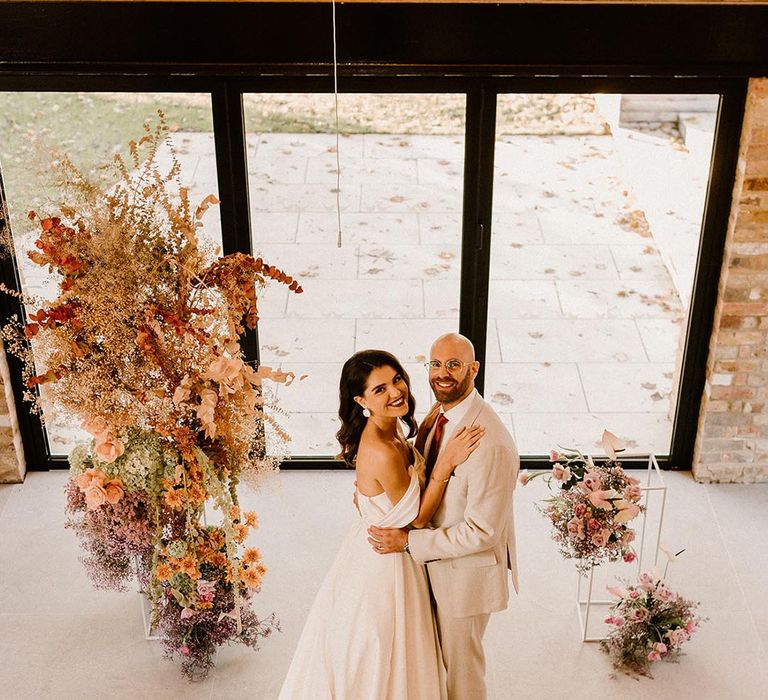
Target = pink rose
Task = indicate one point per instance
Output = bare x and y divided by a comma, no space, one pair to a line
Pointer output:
640,614
654,656
109,449
83,481
591,481
184,650
593,525
114,490
629,557
91,475
561,473
524,477
660,647
634,594
632,493
690,627
600,539
579,510
554,456
186,613
576,528
95,425
619,621
95,496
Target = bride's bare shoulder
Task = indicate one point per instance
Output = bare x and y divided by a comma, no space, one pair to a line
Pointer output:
373,455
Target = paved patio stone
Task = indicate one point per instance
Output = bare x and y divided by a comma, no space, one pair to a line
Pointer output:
440,227
409,262
570,341
521,227
311,433
409,340
400,228
413,146
639,262
284,340
552,262
540,432
610,299
317,393
519,387
273,227
517,299
441,299
660,337
311,261
297,146
394,196
633,387
562,225
280,196
358,299
323,170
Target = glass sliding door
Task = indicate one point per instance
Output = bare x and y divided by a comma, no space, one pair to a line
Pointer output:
394,282
596,231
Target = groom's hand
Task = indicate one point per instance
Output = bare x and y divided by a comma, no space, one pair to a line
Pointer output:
387,540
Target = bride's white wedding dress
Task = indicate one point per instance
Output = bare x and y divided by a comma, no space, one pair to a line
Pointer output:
370,634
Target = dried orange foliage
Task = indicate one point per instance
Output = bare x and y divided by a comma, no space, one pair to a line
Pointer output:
144,332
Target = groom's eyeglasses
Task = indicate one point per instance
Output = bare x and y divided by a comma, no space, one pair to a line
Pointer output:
451,365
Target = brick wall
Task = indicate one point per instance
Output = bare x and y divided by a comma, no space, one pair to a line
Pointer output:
732,437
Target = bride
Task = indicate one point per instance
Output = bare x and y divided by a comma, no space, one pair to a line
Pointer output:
370,634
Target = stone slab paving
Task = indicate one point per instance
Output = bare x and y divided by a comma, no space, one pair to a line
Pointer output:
584,315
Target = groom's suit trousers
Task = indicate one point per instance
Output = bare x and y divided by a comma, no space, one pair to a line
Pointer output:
461,642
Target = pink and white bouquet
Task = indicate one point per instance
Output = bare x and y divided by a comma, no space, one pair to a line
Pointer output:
592,506
650,623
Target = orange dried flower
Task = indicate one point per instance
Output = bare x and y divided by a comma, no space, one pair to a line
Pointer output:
251,556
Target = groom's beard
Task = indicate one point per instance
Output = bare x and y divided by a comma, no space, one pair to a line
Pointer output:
453,393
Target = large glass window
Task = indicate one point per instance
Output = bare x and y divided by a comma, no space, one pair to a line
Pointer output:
394,283
595,239
90,128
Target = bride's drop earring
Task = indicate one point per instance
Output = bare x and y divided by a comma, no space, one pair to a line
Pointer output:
366,413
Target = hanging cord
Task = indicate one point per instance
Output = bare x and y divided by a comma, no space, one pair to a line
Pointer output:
336,109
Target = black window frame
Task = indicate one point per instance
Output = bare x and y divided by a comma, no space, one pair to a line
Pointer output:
422,49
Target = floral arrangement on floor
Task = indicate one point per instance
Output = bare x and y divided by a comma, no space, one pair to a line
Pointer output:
592,505
650,622
142,343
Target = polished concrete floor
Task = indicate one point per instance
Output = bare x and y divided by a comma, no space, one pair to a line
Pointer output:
61,639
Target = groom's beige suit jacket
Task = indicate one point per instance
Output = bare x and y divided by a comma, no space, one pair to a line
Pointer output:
470,545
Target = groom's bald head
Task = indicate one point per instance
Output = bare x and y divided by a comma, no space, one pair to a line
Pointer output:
454,343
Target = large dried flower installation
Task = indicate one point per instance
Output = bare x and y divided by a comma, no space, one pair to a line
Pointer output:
142,344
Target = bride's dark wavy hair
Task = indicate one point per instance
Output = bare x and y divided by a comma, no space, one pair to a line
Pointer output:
354,376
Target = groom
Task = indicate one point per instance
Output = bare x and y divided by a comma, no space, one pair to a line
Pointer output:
471,540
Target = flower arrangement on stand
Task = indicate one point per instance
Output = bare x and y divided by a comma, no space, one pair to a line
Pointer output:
650,622
591,506
142,343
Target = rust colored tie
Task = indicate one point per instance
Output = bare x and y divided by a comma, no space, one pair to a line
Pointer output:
434,447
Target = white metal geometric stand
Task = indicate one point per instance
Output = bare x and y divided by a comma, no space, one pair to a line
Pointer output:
146,617
654,498
145,607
